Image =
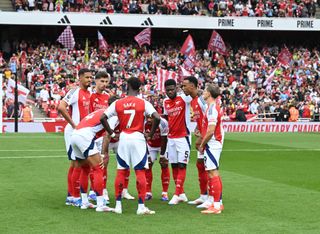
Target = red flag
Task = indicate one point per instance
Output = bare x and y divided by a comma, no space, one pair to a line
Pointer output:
66,38
216,44
103,45
183,72
188,46
162,76
144,37
285,57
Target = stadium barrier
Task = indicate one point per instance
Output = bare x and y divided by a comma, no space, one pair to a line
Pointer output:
159,21
58,126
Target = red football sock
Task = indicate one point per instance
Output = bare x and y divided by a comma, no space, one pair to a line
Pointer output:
126,179
119,183
70,171
215,188
76,182
180,181
91,180
175,171
165,179
141,185
98,180
84,176
105,176
203,178
149,178
221,187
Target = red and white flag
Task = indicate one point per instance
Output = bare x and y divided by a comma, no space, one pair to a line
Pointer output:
103,45
66,38
144,37
163,75
285,57
216,44
270,78
189,62
188,46
183,72
22,91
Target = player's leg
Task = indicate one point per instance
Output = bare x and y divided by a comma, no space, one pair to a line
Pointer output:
84,177
173,160
152,156
183,149
139,159
67,137
165,177
212,157
203,181
123,162
125,192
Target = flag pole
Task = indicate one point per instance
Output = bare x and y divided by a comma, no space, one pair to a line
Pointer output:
16,104
1,103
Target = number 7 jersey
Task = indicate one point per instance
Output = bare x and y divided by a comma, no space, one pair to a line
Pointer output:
131,112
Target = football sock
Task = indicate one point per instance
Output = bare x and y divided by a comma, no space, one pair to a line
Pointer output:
141,185
180,181
98,179
203,178
175,171
76,182
149,178
91,180
126,179
165,179
215,188
70,190
84,176
119,183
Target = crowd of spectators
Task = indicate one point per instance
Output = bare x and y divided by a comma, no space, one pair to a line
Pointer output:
242,75
217,8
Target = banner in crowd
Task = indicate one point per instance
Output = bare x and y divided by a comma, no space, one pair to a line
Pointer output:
103,45
216,44
144,37
22,91
163,75
285,57
59,126
66,38
188,46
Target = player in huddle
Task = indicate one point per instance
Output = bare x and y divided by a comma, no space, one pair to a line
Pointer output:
177,109
132,151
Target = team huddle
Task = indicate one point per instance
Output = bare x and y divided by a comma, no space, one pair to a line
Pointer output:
137,134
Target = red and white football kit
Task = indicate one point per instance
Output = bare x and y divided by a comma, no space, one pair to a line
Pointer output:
98,101
154,145
78,101
178,112
83,138
214,146
199,106
131,112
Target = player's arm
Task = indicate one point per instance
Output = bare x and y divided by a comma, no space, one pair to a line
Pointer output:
62,108
105,144
155,124
208,136
111,111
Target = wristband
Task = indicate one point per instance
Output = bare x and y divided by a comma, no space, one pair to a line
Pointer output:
113,135
162,156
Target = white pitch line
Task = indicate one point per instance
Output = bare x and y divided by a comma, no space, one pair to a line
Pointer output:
34,157
31,150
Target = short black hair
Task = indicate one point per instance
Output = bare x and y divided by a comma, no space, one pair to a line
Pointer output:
101,74
192,80
214,90
82,71
170,82
112,99
134,83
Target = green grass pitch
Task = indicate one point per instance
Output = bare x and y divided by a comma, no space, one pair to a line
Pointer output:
271,185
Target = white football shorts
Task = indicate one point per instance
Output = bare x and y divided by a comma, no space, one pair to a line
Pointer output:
132,151
178,150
